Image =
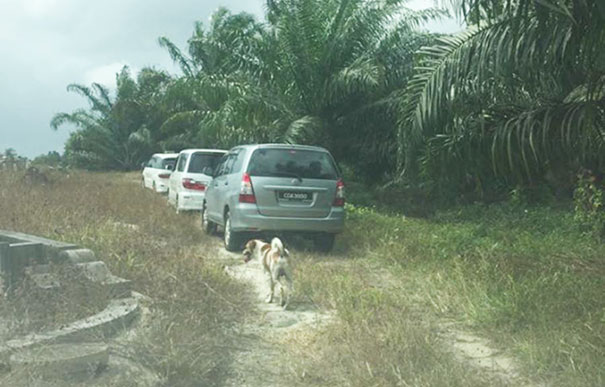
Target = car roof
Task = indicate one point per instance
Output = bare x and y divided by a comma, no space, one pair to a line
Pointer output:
165,155
203,150
282,146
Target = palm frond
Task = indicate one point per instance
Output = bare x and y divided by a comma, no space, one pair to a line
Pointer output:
176,55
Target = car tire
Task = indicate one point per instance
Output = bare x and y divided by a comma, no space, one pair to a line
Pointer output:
155,189
176,204
208,226
324,242
232,239
143,183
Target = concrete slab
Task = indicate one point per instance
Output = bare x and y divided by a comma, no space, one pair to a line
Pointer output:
75,256
98,273
16,237
61,361
118,315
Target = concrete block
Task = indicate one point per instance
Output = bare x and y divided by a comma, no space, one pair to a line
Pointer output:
98,273
118,316
61,361
75,256
16,237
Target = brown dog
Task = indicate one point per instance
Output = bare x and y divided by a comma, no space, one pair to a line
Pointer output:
274,259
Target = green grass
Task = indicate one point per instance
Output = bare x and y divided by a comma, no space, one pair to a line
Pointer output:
526,278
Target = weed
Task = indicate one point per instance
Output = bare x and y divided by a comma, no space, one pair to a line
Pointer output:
522,275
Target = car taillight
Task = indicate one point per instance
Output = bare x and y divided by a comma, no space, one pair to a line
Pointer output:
246,192
193,184
164,175
339,199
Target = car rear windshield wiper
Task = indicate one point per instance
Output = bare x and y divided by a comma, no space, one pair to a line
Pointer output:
288,174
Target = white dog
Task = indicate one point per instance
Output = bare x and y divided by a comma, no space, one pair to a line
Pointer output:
274,259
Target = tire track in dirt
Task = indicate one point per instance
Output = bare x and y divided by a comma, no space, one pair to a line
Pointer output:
467,347
264,341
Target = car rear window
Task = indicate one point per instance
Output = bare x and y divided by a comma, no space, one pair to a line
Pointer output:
201,160
306,164
168,162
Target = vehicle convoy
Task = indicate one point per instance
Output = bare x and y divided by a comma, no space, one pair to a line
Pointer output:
157,171
188,182
275,188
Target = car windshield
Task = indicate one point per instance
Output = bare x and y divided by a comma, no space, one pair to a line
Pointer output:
168,163
200,160
302,164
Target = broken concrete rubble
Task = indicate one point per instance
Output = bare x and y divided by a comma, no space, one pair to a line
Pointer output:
76,350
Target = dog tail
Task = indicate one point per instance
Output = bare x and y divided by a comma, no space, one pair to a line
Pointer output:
277,244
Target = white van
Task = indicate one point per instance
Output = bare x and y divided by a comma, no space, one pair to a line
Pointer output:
157,171
187,186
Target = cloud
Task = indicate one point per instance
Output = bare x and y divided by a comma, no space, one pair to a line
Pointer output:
39,8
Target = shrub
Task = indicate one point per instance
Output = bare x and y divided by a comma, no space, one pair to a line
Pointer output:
589,200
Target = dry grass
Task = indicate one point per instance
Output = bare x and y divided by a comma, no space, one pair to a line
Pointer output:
140,238
529,280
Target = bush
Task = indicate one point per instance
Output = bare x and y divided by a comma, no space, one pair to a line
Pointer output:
589,200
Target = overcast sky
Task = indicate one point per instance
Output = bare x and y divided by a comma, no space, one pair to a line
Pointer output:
47,44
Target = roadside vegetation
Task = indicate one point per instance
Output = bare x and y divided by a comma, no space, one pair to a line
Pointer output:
474,162
193,303
523,276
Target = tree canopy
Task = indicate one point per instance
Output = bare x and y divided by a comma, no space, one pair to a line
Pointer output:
517,96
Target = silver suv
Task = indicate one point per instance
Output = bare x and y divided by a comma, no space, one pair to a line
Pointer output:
275,188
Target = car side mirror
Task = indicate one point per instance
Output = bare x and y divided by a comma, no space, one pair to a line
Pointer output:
143,165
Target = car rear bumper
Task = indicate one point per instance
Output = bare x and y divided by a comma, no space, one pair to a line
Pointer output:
247,218
191,200
161,187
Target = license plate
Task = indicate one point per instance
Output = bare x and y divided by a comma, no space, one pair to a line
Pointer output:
295,196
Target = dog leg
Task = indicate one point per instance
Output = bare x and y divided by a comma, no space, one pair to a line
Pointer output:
269,298
282,296
285,301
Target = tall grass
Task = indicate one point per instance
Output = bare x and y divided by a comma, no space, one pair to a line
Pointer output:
525,277
193,303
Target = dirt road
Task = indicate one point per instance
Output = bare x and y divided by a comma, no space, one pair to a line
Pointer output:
266,338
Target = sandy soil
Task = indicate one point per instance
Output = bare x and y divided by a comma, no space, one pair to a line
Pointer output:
265,340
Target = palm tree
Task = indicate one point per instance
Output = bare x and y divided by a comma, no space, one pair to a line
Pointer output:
519,94
116,133
327,73
345,63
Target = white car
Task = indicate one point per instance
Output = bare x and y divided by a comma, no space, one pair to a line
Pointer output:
157,171
187,186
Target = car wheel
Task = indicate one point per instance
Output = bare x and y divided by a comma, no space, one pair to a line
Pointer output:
176,203
324,242
208,226
155,189
232,239
143,183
